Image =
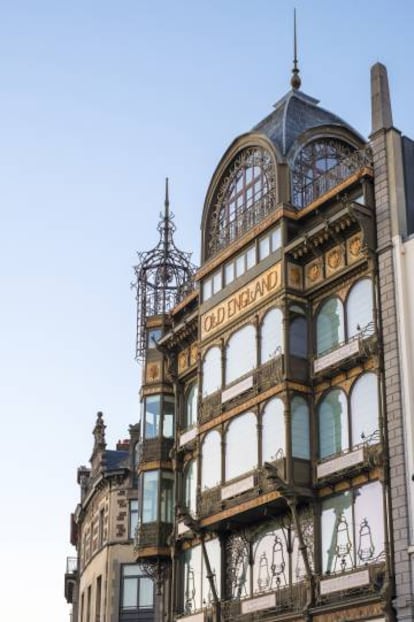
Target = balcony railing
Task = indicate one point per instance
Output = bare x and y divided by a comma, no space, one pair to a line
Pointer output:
345,354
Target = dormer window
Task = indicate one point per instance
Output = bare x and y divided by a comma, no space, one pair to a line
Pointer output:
246,195
318,167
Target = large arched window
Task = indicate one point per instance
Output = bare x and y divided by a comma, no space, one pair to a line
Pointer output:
212,371
241,354
359,308
211,460
246,195
191,406
190,487
241,445
330,325
273,430
300,428
365,409
272,335
318,167
333,423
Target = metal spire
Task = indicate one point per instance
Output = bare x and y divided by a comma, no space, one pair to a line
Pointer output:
295,80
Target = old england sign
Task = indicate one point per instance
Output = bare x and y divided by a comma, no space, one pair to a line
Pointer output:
241,301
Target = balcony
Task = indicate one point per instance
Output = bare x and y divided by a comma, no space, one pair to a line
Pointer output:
364,581
350,462
71,577
346,354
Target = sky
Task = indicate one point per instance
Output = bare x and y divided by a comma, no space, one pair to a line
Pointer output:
99,102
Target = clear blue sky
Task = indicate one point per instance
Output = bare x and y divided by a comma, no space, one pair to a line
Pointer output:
99,101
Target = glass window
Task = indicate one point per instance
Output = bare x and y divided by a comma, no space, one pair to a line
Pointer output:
264,247
330,326
300,428
137,590
152,406
153,335
276,239
214,557
133,517
250,257
352,529
168,416
241,445
365,409
212,371
191,404
211,460
271,561
190,487
217,282
298,337
167,497
150,496
229,272
272,335
273,431
240,265
333,424
207,288
192,579
359,309
241,353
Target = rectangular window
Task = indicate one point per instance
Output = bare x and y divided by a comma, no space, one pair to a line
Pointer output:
137,590
152,416
229,272
101,526
153,335
88,604
133,517
150,496
98,599
276,239
240,269
167,497
216,282
250,257
207,289
264,247
168,416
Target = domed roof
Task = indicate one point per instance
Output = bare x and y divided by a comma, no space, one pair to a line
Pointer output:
293,115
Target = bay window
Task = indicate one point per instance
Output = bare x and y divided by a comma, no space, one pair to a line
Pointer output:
241,356
157,496
241,445
300,428
271,335
158,416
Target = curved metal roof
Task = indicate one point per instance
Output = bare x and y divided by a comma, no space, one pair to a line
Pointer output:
293,115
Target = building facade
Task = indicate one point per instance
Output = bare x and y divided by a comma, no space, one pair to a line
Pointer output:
104,582
276,403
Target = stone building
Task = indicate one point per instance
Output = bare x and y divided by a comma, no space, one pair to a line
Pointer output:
104,582
272,473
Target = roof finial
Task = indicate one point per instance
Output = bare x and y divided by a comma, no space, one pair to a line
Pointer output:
167,201
295,80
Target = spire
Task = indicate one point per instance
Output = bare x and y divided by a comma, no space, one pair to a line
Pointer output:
167,201
380,98
295,80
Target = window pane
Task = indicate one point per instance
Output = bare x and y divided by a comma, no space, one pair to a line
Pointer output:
240,265
359,308
211,460
150,496
272,335
337,534
300,428
154,334
217,282
207,289
133,517
167,497
276,239
191,406
330,325
369,524
192,579
241,353
229,272
333,424
168,416
152,416
212,371
130,593
131,570
271,562
241,445
251,257
273,431
214,556
190,487
298,337
364,409
146,593
264,247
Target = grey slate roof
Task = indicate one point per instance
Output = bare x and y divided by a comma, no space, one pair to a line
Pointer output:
115,459
295,113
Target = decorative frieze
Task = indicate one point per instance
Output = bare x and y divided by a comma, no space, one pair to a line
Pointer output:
344,582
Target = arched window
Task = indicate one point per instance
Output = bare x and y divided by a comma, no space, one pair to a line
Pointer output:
300,428
273,430
330,325
272,335
318,167
333,423
190,487
365,409
241,353
212,371
241,445
359,308
211,460
191,406
246,195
